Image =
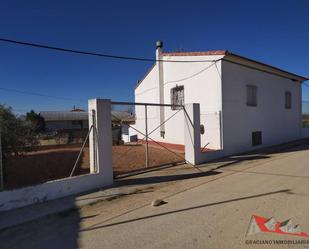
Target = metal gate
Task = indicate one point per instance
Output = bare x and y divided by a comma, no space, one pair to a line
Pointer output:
146,135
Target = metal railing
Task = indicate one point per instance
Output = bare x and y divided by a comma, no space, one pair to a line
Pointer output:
144,130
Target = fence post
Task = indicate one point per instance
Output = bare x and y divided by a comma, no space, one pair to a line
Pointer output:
1,165
100,139
94,139
192,133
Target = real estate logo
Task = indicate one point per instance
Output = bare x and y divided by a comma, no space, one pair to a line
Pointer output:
260,224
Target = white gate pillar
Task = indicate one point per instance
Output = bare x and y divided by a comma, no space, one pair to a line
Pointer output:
100,139
192,133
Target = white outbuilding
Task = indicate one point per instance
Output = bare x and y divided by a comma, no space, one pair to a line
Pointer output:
244,104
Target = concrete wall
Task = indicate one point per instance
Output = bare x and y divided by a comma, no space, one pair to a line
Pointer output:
277,124
305,132
202,84
193,152
100,142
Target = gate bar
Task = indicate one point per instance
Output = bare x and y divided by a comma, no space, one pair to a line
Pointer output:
150,104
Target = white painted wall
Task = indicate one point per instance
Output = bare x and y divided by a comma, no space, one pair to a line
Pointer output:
305,132
277,124
147,92
202,84
193,153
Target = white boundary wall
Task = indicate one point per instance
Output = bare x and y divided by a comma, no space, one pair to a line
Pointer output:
101,156
192,137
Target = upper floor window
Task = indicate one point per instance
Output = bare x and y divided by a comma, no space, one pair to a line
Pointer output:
288,100
251,95
177,97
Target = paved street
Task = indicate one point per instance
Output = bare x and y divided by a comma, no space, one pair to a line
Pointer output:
208,209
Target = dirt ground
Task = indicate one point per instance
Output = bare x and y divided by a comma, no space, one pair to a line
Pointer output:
53,162
56,162
132,157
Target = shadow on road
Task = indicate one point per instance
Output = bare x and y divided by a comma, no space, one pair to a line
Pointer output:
55,231
115,196
99,226
164,178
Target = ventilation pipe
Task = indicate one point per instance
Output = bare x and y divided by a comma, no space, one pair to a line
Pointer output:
159,62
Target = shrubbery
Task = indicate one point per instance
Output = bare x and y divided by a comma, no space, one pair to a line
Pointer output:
17,135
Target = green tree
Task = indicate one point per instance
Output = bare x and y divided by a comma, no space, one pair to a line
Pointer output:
17,135
35,121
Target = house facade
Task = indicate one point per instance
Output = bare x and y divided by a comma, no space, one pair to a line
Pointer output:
244,104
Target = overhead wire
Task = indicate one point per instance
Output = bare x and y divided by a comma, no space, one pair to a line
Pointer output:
40,94
69,50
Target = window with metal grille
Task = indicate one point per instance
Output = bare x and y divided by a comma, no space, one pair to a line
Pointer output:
251,95
256,138
288,100
177,97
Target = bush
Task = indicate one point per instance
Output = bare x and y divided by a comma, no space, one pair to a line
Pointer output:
17,135
35,121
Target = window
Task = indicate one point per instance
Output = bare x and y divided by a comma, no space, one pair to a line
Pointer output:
288,100
177,97
256,138
251,95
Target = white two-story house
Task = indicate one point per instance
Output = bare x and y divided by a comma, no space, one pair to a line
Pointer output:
244,104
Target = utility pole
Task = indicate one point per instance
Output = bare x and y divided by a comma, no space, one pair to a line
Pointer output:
1,165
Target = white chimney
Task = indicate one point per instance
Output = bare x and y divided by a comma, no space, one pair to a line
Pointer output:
159,50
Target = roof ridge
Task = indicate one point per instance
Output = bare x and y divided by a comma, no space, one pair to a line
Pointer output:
196,53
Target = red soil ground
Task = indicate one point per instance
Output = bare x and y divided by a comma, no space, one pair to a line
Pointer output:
56,162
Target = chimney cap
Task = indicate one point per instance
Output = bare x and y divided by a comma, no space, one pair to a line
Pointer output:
159,44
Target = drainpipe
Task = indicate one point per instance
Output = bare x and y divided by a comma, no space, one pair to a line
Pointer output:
161,85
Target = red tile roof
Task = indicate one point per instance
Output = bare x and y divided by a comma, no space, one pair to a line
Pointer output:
212,52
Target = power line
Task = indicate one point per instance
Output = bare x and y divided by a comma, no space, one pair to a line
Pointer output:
68,50
40,95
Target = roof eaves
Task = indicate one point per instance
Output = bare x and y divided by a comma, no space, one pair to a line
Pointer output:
148,72
266,65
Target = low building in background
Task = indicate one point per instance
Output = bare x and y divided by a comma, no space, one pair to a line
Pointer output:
76,119
75,123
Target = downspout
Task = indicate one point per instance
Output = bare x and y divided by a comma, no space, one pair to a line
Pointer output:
159,62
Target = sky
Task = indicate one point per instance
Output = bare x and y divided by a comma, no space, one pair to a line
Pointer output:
273,32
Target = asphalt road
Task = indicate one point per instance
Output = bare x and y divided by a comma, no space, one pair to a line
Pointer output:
209,209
